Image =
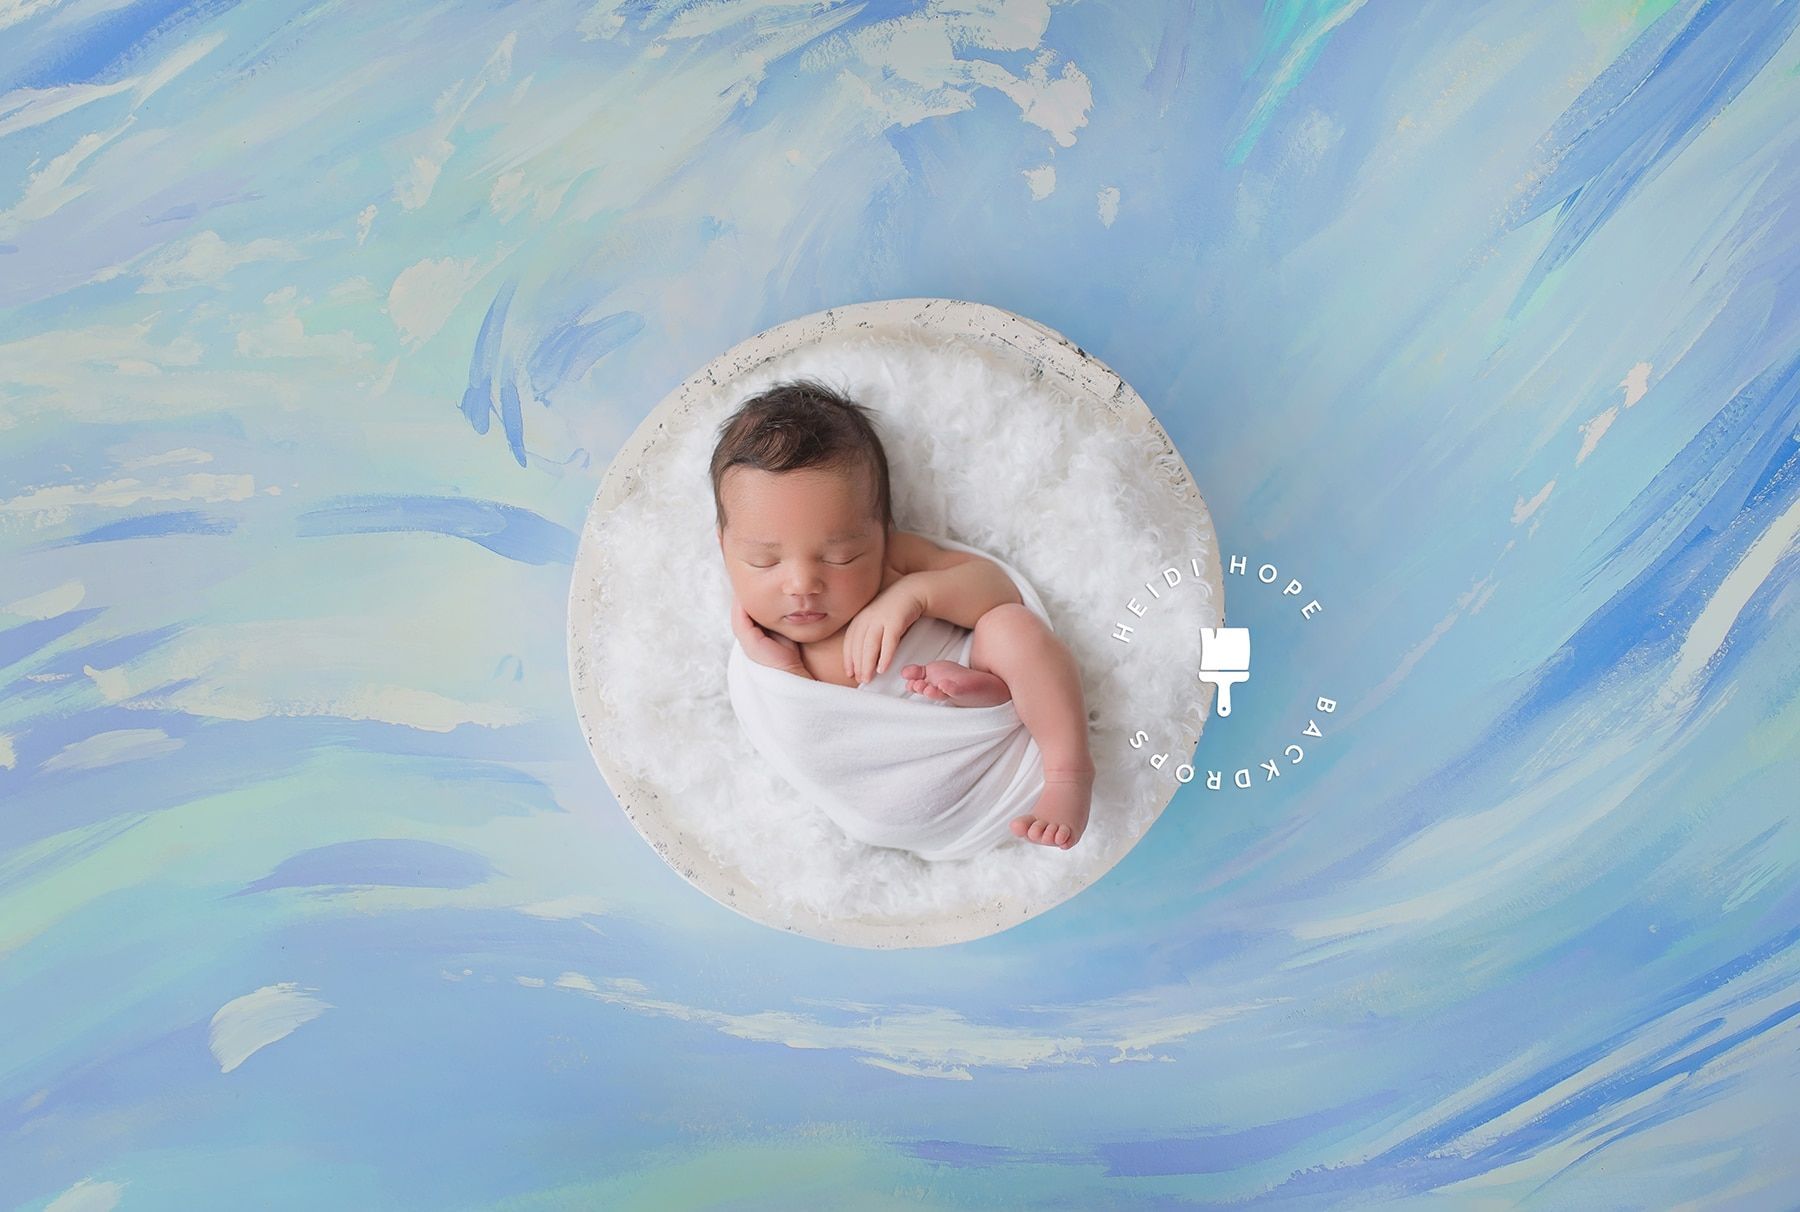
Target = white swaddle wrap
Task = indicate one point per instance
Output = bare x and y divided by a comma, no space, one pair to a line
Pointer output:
890,767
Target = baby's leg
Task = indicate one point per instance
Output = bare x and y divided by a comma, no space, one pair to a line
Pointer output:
1013,643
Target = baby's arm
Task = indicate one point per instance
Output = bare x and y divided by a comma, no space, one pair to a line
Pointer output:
956,586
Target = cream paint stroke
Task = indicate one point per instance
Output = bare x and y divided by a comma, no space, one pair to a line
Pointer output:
936,1042
204,259
907,68
51,602
53,504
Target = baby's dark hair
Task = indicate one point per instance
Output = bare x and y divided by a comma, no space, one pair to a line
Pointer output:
802,423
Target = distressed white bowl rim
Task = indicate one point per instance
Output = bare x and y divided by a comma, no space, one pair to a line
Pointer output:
1073,370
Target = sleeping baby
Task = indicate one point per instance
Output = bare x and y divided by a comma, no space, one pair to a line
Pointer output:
846,671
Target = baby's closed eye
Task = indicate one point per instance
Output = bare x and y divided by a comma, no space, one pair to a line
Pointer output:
839,563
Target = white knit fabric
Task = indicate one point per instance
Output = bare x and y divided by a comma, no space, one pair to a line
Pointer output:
889,767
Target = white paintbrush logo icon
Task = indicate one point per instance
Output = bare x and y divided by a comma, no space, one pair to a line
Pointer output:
1224,660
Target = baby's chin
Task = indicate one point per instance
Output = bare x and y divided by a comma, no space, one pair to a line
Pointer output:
809,633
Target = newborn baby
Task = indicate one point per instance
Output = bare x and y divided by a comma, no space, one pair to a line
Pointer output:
824,587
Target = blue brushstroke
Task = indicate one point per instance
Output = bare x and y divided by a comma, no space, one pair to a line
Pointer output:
518,534
392,862
512,414
1743,461
964,1155
115,650
105,42
189,210
1427,1161
17,643
1225,1151
1166,73
1723,466
1628,125
1556,1121
152,526
484,363
570,349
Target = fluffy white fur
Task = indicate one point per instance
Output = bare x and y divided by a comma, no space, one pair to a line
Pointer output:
982,448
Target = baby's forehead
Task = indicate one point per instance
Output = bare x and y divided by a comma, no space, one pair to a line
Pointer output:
833,527
849,487
743,473
766,527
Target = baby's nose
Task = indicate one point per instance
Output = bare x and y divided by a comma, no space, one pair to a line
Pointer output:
804,581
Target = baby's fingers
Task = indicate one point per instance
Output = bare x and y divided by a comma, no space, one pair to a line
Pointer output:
744,627
870,649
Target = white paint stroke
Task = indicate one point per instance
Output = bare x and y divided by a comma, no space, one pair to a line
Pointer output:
1707,635
1523,509
111,749
249,1023
88,1195
1109,205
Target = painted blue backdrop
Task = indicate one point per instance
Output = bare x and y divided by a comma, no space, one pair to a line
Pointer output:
320,323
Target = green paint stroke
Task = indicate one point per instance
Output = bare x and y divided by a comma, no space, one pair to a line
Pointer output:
1615,17
1294,31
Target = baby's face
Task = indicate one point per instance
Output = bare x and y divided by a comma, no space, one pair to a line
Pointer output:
801,541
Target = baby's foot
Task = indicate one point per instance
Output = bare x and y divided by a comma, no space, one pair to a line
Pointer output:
962,686
1060,816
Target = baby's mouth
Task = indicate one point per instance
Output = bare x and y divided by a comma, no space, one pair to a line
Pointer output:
805,616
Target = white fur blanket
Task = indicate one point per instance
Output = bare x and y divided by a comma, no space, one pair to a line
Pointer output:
891,768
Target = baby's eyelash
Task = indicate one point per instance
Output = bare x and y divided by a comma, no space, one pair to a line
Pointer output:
839,563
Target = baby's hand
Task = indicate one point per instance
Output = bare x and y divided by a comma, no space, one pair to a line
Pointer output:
873,636
763,647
